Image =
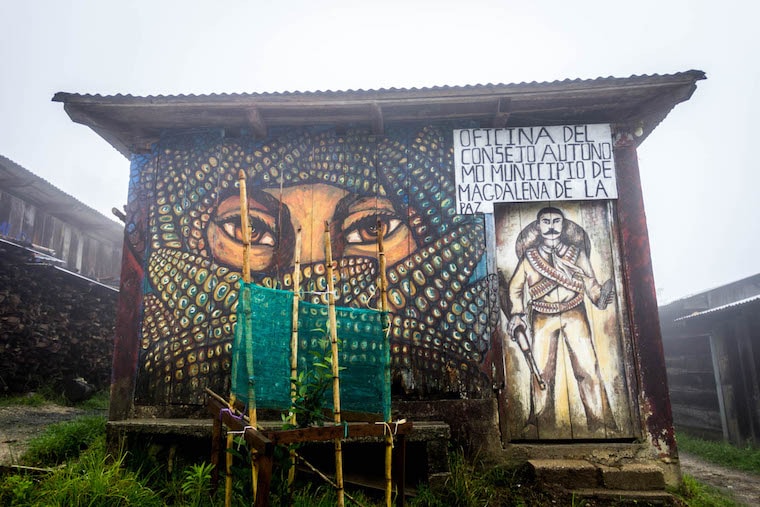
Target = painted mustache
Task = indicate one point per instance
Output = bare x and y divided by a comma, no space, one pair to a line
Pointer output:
551,232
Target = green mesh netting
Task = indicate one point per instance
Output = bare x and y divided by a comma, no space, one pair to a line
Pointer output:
264,336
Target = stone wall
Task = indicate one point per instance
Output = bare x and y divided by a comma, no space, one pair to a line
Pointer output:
54,325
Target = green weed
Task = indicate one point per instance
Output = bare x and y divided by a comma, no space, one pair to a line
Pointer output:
62,441
98,401
23,400
696,494
95,479
196,485
15,490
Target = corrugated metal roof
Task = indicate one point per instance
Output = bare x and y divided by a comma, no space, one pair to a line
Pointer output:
722,308
37,258
132,124
24,184
694,74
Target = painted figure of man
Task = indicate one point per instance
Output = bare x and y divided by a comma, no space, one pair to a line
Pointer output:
547,295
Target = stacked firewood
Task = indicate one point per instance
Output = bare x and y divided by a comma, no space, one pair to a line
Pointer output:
54,326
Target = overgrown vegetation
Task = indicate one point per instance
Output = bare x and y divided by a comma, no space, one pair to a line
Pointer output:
696,494
82,473
63,441
99,401
91,477
23,400
722,453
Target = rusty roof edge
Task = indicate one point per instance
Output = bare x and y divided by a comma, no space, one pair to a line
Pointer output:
383,94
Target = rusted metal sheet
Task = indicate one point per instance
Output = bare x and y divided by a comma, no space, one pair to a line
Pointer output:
642,301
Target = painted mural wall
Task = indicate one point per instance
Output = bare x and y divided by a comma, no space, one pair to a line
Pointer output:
183,230
547,324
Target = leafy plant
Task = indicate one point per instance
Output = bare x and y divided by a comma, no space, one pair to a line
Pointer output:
196,484
310,387
15,490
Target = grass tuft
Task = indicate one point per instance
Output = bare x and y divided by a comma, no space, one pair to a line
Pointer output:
23,400
63,441
696,494
95,479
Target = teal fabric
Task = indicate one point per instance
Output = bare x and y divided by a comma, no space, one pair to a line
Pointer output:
262,344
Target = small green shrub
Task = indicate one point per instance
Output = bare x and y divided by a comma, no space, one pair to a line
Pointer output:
196,485
63,441
15,490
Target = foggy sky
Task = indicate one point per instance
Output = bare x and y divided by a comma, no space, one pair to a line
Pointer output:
697,167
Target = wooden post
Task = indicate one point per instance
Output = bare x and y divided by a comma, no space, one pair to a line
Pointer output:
228,473
294,347
335,366
245,232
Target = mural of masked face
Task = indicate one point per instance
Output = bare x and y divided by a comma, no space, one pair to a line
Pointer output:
440,303
305,207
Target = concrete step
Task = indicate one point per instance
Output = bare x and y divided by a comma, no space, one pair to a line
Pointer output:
568,473
633,477
581,475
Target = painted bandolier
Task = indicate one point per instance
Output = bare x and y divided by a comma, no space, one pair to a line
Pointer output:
552,339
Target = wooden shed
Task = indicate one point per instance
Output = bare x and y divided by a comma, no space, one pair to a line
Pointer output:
712,353
520,281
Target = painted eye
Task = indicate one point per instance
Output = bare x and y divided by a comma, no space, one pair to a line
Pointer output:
261,233
366,229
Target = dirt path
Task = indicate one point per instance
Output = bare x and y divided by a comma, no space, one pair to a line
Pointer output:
743,486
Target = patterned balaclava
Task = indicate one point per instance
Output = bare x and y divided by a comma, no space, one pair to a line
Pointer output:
442,306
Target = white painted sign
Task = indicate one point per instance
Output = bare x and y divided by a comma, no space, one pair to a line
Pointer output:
559,163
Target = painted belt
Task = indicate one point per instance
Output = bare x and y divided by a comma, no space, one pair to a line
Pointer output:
544,307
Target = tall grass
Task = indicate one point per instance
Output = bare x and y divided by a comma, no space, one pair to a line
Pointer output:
722,453
63,441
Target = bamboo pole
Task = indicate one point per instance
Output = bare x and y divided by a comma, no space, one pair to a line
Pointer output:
294,348
383,282
335,367
245,228
228,471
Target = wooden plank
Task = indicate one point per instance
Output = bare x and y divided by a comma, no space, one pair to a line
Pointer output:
264,462
326,433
